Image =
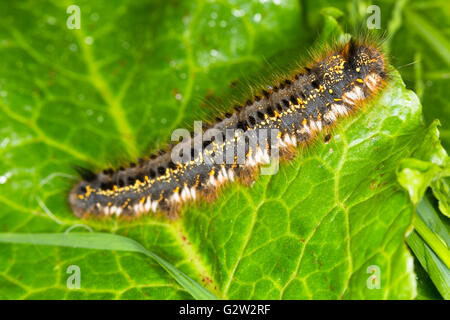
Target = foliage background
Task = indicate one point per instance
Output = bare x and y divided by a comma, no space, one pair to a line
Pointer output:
115,89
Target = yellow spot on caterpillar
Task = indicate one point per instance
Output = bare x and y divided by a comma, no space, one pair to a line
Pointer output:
211,173
80,196
197,181
358,69
337,99
126,203
142,200
88,191
360,80
304,122
330,91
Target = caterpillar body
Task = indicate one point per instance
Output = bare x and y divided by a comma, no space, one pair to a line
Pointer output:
297,107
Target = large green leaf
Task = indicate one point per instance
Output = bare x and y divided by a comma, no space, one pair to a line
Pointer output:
115,89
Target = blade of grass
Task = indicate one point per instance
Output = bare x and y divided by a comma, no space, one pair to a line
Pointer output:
435,268
436,40
426,290
105,241
431,230
437,222
433,241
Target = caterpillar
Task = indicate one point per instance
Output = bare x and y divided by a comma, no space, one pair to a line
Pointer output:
290,112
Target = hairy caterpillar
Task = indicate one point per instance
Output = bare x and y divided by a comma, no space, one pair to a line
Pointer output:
308,101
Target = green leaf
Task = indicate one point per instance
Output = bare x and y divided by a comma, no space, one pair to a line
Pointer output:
441,190
416,176
429,167
115,90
